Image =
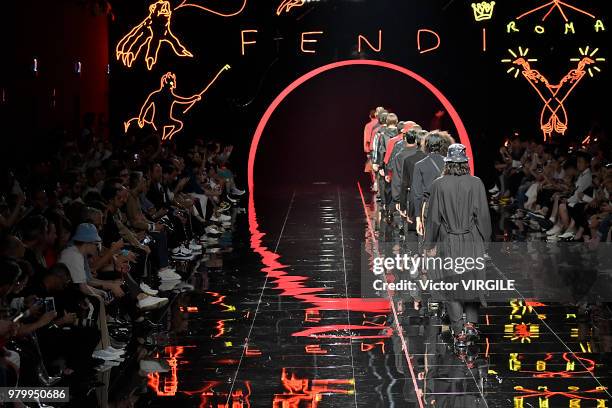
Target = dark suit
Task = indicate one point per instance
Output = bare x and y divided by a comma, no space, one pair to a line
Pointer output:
407,175
425,172
158,195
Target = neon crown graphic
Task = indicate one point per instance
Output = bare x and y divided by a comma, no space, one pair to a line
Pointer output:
483,10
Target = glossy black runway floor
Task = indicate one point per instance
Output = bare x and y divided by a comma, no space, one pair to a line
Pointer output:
282,324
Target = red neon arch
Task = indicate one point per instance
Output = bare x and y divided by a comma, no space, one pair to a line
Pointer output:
463,136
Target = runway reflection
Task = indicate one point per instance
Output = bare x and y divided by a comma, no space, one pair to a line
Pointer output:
282,324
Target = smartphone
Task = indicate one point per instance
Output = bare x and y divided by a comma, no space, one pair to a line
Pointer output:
49,304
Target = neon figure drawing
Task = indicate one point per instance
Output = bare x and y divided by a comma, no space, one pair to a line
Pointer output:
156,30
555,5
160,108
553,117
286,5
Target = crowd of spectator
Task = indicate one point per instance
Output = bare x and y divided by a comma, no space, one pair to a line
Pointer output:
558,189
93,238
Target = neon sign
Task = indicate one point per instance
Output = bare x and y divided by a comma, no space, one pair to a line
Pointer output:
483,10
556,5
151,32
563,10
287,5
553,117
166,121
156,30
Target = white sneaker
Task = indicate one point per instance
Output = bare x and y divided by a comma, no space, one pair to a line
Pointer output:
193,246
168,275
567,234
212,250
168,285
211,229
181,250
236,191
151,302
113,350
184,287
221,218
148,290
108,364
105,355
554,230
183,257
208,240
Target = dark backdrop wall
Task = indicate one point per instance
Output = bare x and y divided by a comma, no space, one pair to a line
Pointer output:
315,134
58,34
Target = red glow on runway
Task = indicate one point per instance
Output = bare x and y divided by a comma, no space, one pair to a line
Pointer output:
294,285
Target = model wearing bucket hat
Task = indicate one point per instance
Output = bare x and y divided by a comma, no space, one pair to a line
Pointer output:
456,154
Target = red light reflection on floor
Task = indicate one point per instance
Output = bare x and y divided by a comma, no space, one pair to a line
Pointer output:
293,285
312,316
167,386
241,398
569,371
573,393
252,352
314,349
305,393
219,298
365,347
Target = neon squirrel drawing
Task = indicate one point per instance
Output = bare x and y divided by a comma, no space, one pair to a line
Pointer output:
156,30
161,107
